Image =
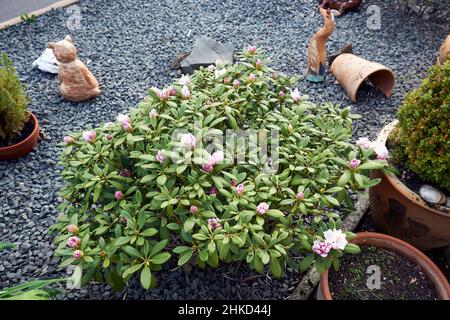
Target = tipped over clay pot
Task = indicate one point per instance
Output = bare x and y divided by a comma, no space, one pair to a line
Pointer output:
445,50
351,71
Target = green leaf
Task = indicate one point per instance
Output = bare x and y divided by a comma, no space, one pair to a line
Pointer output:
159,246
199,236
131,270
352,248
149,232
185,257
161,180
146,277
131,251
306,262
161,258
343,180
275,267
275,213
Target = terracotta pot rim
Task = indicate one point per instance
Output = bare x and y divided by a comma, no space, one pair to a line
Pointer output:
28,138
397,183
434,274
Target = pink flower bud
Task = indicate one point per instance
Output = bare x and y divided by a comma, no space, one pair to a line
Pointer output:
380,150
236,84
108,137
295,95
89,136
281,94
214,223
123,118
160,156
118,195
251,49
275,75
262,208
68,140
299,196
322,248
354,163
78,254
258,64
364,143
240,189
189,140
127,126
172,91
193,209
213,191
234,183
185,93
226,80
208,167
73,242
252,77
153,113
72,228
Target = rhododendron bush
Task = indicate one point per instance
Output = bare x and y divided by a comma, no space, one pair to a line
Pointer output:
229,164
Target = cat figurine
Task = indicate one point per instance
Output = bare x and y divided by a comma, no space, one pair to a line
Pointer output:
77,82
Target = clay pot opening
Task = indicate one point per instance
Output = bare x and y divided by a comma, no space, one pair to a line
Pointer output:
351,71
23,147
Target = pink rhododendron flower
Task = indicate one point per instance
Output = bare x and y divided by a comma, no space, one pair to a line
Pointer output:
251,49
252,77
89,136
380,150
299,196
217,157
153,113
123,118
236,84
160,156
281,94
322,248
127,126
213,191
262,208
73,242
233,183
208,167
118,195
258,64
193,209
364,143
78,254
354,163
172,91
72,228
185,93
185,80
240,189
214,223
220,73
336,238
163,95
68,140
189,140
295,95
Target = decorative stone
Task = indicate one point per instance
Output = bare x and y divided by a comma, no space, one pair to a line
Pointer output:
204,53
448,202
77,82
47,62
317,48
432,195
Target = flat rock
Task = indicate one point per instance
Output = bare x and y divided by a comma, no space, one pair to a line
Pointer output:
432,195
204,53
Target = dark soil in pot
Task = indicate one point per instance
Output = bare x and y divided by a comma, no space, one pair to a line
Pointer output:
400,278
438,256
26,131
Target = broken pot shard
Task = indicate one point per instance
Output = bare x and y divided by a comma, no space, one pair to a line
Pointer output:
351,71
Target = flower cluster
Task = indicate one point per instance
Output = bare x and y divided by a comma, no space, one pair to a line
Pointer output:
379,148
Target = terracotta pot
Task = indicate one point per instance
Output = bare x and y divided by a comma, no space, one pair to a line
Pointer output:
351,71
444,51
398,211
433,273
23,147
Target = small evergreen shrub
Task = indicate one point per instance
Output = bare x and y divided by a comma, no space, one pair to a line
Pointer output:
424,127
13,101
165,181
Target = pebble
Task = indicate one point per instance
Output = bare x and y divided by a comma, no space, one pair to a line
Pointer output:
432,195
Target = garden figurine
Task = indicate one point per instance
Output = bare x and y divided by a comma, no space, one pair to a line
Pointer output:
77,82
317,48
340,5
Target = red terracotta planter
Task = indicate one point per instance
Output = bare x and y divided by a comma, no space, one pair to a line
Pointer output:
23,147
402,213
433,273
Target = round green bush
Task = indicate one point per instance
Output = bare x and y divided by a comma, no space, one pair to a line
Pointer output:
424,127
166,182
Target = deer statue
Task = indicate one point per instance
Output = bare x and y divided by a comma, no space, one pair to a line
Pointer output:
317,48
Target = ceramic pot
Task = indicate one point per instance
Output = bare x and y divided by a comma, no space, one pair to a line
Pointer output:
351,71
444,51
398,211
23,147
433,273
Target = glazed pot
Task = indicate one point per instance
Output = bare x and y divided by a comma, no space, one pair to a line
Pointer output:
23,147
351,71
433,273
398,211
444,51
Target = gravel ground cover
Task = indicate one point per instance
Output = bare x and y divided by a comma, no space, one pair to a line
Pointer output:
128,46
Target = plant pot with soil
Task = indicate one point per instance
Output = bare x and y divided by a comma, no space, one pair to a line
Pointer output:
405,205
19,128
387,268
